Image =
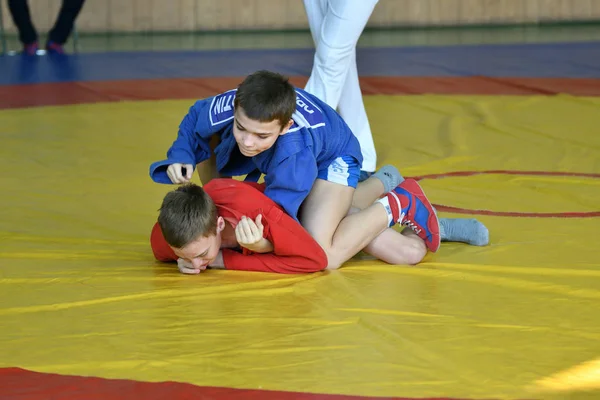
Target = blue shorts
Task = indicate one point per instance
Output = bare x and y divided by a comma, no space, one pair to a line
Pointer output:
343,170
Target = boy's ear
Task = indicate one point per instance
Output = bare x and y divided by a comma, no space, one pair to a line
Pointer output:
285,129
220,224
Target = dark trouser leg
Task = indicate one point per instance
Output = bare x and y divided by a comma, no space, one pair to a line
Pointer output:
66,19
22,19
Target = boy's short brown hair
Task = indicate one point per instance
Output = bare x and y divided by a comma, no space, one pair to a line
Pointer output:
186,214
266,96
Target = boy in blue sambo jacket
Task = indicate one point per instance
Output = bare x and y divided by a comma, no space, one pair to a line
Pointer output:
311,161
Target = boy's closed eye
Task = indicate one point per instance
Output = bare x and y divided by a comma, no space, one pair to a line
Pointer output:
202,255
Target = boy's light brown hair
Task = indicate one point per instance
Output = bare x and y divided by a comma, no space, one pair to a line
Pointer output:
186,214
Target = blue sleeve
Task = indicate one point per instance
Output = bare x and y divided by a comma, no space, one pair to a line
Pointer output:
289,182
192,146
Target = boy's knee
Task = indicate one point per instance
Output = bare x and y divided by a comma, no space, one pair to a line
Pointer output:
333,266
414,252
333,262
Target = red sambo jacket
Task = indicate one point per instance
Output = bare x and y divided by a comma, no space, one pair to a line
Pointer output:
295,251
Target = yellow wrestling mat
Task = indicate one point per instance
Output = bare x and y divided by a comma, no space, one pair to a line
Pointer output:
81,293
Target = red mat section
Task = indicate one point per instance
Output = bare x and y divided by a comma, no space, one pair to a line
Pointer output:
47,94
20,384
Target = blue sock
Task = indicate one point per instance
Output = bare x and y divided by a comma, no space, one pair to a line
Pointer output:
464,230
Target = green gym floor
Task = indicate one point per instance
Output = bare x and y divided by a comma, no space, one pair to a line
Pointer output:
96,42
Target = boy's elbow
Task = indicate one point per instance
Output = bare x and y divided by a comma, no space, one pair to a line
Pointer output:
163,259
318,263
159,246
306,265
161,255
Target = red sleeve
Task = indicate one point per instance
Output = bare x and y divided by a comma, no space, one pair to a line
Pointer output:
259,186
295,251
160,248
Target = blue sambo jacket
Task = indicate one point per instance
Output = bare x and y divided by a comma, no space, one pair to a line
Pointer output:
317,137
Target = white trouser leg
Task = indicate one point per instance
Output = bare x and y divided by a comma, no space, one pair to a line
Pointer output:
315,12
352,110
336,26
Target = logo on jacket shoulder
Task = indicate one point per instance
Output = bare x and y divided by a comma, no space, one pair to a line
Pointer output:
301,104
221,107
307,114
